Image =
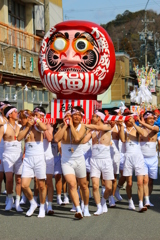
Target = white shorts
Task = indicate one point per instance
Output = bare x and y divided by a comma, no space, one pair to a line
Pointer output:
122,159
57,165
104,166
133,161
116,160
49,164
87,157
12,162
34,166
74,166
151,166
1,161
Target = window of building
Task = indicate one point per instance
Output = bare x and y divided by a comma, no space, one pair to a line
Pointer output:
46,96
12,94
16,14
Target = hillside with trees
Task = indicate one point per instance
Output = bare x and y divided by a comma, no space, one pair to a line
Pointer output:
124,34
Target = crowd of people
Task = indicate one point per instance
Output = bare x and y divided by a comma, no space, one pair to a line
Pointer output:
74,153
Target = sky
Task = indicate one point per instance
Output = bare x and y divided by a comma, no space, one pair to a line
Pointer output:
103,11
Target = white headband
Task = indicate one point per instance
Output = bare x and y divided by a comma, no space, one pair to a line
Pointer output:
10,111
76,111
68,112
39,111
148,115
3,105
101,115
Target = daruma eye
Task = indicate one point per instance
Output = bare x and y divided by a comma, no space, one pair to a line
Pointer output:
60,44
82,45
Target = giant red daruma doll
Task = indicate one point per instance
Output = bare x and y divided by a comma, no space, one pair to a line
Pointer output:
77,60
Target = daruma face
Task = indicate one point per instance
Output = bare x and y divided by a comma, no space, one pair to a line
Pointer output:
77,58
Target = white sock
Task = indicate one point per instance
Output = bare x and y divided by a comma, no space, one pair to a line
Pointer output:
99,205
140,204
99,209
130,200
103,201
35,198
146,198
17,204
41,211
33,206
17,198
10,195
65,195
49,203
82,205
78,209
86,211
59,196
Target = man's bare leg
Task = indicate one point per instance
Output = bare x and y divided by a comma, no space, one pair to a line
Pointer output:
58,183
114,187
28,193
36,190
50,190
18,192
72,187
85,194
96,195
103,186
1,179
150,186
107,193
121,181
9,188
140,193
129,192
64,186
42,197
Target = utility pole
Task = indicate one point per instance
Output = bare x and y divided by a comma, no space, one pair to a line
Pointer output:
146,35
46,29
157,56
46,16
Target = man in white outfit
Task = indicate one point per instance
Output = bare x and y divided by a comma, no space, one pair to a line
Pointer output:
133,159
148,148
12,156
101,161
73,162
34,162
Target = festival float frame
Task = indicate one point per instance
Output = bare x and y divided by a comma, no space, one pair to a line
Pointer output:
143,95
76,62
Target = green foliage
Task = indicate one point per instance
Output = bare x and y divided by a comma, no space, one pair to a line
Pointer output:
124,34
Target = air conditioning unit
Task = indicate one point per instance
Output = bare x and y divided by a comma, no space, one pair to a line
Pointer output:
34,86
6,83
18,84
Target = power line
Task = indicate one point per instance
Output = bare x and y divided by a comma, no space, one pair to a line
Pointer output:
146,5
108,8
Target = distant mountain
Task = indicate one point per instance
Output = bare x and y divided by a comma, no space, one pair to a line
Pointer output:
124,34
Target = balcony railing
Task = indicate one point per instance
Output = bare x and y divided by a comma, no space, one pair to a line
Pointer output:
18,38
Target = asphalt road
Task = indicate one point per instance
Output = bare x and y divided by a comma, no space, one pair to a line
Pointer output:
118,223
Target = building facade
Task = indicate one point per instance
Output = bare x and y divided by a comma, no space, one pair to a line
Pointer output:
121,85
19,47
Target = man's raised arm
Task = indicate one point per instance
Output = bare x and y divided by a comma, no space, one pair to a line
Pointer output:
60,133
105,127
